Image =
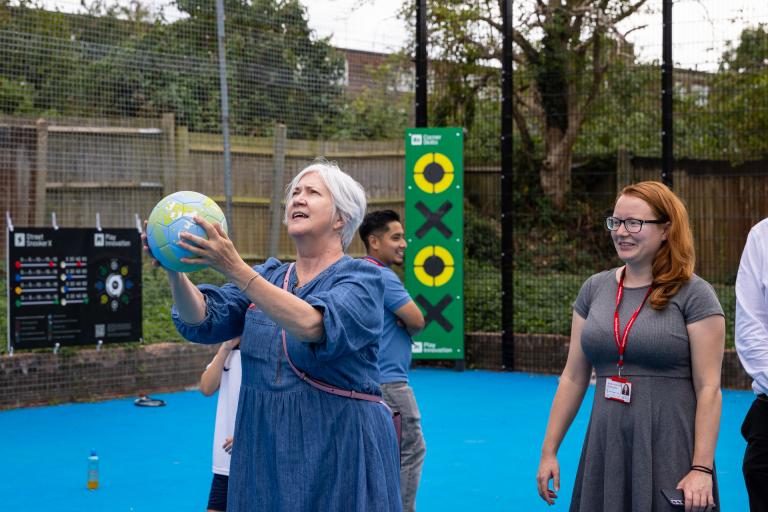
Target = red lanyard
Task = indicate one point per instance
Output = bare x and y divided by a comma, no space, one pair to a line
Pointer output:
621,343
374,261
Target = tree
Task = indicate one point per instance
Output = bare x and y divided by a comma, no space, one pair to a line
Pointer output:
751,53
738,117
464,45
564,45
117,59
560,54
383,109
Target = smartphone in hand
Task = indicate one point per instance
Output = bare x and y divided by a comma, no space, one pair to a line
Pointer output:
676,498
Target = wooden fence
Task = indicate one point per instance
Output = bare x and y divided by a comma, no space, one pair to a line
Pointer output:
723,202
78,168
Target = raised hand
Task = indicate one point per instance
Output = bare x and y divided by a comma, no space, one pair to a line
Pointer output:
217,251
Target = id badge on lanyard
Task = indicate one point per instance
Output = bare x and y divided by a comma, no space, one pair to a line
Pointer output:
619,388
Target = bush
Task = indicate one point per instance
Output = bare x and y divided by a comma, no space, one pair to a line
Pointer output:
542,301
482,236
482,296
156,293
727,295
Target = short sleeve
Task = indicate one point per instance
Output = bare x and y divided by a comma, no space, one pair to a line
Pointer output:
701,301
395,294
224,312
352,310
584,299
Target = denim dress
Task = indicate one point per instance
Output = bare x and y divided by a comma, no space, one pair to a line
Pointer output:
297,448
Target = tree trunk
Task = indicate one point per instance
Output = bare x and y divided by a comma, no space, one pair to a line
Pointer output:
556,168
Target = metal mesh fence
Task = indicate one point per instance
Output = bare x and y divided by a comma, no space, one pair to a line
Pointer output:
105,108
588,115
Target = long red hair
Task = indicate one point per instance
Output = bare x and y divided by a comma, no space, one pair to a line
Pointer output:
674,261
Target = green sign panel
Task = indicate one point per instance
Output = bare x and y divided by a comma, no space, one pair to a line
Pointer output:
434,228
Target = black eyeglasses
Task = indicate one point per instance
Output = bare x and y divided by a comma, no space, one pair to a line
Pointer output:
631,225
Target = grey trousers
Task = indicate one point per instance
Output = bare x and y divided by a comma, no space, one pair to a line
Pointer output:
399,396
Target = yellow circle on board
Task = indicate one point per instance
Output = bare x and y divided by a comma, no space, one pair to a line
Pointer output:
421,165
421,273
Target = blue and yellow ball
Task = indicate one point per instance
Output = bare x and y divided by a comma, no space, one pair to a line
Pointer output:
172,216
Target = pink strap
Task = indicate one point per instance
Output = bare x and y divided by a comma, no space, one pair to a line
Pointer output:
322,386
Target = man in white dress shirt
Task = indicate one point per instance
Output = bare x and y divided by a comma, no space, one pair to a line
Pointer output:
752,347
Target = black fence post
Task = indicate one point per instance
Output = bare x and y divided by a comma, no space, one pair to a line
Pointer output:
667,90
507,195
421,63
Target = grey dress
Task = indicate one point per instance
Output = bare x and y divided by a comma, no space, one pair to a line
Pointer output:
633,450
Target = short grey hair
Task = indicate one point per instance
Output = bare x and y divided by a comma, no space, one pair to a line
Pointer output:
348,196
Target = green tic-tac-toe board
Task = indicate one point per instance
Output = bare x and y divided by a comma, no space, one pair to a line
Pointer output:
434,228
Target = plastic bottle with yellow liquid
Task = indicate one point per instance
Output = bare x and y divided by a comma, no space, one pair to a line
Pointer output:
93,471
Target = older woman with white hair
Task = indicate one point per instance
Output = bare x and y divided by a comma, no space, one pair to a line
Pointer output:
296,447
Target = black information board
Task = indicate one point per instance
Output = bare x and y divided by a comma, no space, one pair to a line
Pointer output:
73,286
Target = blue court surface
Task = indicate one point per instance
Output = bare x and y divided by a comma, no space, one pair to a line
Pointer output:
483,432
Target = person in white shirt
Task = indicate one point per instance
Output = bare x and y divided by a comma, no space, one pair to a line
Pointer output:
752,347
225,374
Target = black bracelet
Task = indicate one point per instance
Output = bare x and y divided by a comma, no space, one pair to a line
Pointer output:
703,469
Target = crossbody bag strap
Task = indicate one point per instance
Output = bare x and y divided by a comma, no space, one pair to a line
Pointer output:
322,386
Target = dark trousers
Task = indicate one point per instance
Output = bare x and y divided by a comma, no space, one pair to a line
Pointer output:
755,467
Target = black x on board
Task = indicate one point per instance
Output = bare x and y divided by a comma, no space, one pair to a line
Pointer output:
434,219
435,312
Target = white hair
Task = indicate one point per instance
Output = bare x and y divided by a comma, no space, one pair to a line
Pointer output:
348,196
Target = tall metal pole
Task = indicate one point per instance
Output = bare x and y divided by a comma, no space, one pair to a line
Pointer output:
421,63
667,89
507,195
225,115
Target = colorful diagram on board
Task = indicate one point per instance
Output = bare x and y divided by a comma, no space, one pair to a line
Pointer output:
113,285
73,286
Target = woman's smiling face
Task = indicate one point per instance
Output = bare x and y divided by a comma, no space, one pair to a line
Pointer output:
637,248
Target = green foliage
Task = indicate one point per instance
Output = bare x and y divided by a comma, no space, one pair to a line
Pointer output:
381,111
542,302
15,98
750,54
717,115
627,114
117,63
482,296
727,295
465,55
482,236
156,294
482,144
572,239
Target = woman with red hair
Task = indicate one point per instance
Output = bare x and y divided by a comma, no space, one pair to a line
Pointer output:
655,329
